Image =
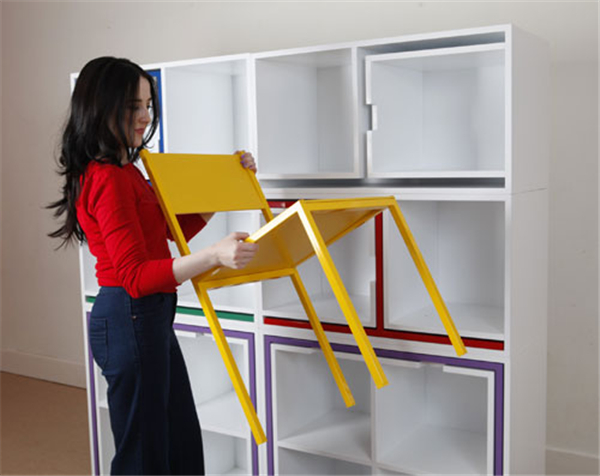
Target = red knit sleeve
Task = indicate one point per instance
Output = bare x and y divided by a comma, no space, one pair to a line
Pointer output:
190,224
113,203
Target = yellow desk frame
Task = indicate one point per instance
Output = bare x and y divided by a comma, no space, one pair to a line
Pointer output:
192,183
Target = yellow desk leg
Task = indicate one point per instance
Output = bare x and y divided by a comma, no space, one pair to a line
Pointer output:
432,289
227,356
334,365
343,299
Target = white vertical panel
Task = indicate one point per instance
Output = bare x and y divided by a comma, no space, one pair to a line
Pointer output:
530,113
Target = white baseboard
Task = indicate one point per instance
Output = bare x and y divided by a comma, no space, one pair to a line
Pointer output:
44,368
560,461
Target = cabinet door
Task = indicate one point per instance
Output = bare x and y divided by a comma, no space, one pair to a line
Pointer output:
437,113
438,415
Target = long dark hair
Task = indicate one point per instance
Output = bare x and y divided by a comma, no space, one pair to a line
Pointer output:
95,130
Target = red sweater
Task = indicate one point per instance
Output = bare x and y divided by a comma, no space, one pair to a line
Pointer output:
126,230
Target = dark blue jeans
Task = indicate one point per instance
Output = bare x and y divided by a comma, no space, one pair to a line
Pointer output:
152,412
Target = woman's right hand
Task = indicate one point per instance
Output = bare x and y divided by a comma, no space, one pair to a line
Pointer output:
233,252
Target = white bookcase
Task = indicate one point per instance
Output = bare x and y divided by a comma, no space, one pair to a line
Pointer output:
454,125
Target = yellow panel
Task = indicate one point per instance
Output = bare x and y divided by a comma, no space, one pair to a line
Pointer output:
283,243
334,224
203,183
348,203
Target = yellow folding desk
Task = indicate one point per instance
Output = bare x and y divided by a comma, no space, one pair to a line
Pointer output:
191,183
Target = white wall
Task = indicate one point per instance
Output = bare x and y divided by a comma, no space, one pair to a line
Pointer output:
44,42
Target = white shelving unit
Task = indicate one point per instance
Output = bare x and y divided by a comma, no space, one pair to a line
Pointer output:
454,125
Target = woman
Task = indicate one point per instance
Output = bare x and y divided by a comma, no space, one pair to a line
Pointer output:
106,201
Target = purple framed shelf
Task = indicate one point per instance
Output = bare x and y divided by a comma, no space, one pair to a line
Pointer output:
248,336
496,368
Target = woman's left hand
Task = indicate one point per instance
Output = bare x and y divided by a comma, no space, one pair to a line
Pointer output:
247,160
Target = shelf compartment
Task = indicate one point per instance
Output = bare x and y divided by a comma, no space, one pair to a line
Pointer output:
437,113
217,405
101,387
337,434
318,422
221,417
454,404
436,419
232,298
106,444
294,462
358,275
226,455
87,264
207,106
463,243
306,114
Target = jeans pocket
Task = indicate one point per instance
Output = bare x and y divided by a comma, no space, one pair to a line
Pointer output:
99,341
